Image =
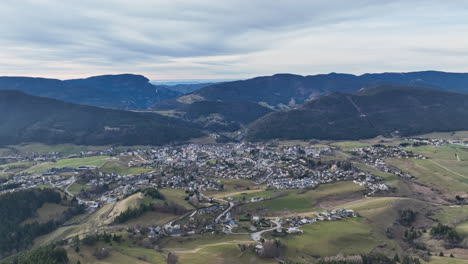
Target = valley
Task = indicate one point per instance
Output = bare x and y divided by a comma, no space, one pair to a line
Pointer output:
225,202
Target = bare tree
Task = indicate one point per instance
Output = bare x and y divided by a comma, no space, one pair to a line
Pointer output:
271,249
101,253
172,258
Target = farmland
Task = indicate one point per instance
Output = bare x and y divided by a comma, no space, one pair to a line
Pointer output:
208,209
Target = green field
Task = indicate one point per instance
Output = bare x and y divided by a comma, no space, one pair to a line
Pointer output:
72,163
459,135
211,248
432,173
350,145
195,241
447,166
463,228
17,165
300,201
446,152
220,253
119,254
451,215
447,260
77,187
177,196
148,255
351,236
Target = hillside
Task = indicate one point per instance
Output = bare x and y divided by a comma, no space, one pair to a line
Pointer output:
27,118
123,91
225,115
371,112
283,91
185,88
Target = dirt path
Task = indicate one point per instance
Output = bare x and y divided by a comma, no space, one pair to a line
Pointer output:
449,170
195,250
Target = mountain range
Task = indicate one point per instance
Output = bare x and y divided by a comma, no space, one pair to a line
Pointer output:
286,106
284,91
27,118
123,91
371,112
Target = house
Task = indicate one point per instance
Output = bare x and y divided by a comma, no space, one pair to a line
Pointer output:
294,230
151,234
256,199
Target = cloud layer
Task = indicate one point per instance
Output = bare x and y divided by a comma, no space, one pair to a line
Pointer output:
178,39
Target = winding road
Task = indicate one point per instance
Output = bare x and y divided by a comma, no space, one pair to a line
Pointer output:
257,236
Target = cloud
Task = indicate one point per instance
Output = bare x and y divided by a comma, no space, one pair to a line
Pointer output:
209,38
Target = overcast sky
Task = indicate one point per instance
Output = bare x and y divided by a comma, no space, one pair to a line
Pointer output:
230,39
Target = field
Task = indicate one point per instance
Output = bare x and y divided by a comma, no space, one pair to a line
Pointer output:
220,253
47,212
12,168
211,249
300,201
121,169
72,163
430,173
151,218
446,167
17,165
77,187
177,196
349,236
447,260
463,228
458,135
350,145
119,254
452,215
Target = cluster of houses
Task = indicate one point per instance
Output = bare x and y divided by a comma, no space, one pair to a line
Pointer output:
294,223
371,182
190,224
414,142
376,155
196,167
29,157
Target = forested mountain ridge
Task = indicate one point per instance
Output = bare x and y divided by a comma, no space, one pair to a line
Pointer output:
282,91
123,91
371,112
27,118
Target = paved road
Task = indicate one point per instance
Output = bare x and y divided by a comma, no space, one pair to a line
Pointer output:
73,179
224,213
258,235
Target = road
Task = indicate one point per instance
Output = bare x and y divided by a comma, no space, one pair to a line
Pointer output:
180,217
258,235
224,213
141,158
73,179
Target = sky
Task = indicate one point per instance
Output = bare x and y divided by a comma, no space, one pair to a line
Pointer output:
230,39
